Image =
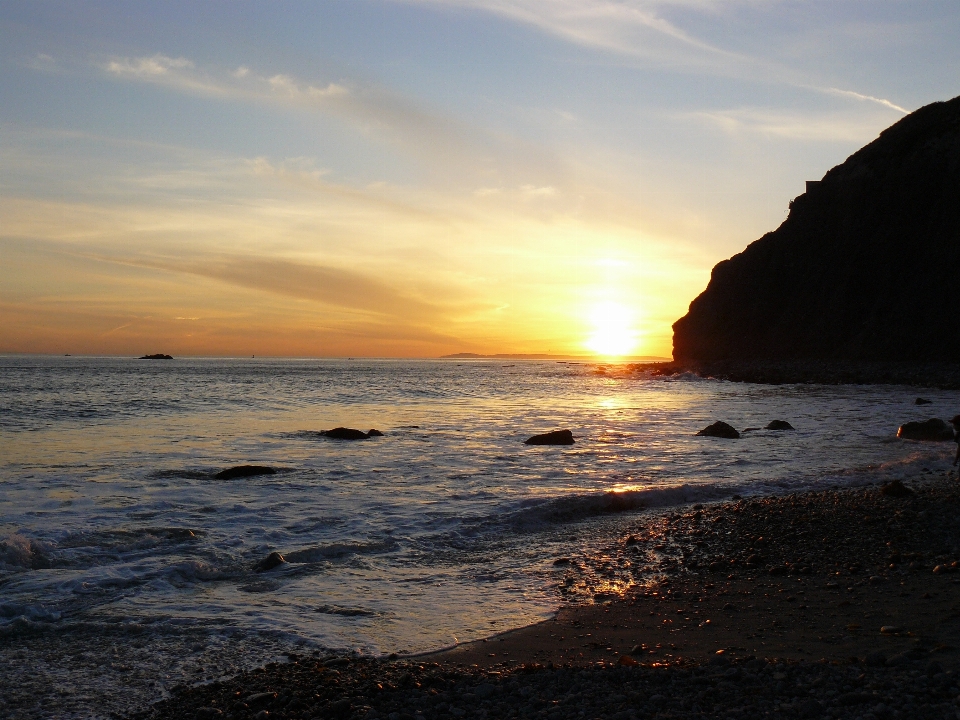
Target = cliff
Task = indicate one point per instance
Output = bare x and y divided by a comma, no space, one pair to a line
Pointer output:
866,267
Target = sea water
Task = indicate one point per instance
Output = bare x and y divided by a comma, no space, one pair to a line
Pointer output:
126,568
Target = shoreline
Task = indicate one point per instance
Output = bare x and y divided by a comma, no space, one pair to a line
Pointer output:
757,597
940,376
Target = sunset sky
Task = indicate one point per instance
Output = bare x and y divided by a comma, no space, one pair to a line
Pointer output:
408,178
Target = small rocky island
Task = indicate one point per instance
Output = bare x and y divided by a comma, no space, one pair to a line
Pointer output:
858,284
157,356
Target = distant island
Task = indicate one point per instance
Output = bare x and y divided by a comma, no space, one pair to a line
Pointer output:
541,356
859,284
157,356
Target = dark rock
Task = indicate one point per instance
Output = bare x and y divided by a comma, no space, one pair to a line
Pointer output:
895,489
562,561
374,433
158,356
242,471
720,429
933,429
271,561
876,659
922,401
779,425
342,433
809,708
854,270
557,437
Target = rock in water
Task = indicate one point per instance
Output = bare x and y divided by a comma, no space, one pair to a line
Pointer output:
242,471
720,429
557,437
343,433
780,425
864,268
933,429
271,561
895,489
374,433
922,401
158,356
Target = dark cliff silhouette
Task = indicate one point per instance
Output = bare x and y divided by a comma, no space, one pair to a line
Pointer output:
866,267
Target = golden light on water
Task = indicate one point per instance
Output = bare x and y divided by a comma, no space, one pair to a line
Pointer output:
614,332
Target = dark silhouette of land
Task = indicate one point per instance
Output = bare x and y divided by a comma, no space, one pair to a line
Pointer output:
859,283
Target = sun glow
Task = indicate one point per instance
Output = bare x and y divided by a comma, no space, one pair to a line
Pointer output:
614,332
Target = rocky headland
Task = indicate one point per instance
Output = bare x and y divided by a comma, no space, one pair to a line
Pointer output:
858,284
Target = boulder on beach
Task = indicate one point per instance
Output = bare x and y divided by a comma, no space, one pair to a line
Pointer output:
157,356
780,425
345,433
271,561
720,429
895,489
242,471
557,437
933,430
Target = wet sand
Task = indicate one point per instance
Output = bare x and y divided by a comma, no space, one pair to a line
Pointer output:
839,603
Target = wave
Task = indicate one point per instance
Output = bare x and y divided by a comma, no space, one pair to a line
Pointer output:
574,508
335,551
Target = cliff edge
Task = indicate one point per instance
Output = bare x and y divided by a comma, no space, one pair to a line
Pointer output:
866,267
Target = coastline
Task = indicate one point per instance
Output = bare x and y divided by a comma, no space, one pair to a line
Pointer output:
943,376
768,606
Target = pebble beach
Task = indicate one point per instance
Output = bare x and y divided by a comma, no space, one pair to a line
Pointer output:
830,603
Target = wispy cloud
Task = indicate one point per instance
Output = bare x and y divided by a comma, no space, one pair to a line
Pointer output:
602,24
792,125
638,29
866,98
373,112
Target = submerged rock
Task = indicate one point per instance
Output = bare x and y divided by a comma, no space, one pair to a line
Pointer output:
242,471
720,429
557,437
271,561
344,433
933,429
780,425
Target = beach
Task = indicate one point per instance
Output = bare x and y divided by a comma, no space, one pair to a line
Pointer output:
831,603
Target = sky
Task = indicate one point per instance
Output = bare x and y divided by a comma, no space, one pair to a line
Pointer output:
411,178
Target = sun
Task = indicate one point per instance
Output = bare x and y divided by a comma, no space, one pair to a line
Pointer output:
614,333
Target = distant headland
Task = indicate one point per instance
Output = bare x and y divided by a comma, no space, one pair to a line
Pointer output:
861,281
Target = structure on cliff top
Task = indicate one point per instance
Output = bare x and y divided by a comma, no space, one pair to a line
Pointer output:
865,267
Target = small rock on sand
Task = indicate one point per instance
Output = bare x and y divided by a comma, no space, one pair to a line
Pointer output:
557,437
242,471
895,489
720,429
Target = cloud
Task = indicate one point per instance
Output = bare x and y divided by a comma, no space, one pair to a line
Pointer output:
868,98
826,127
369,110
601,24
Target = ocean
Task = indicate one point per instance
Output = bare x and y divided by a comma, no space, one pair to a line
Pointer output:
126,568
